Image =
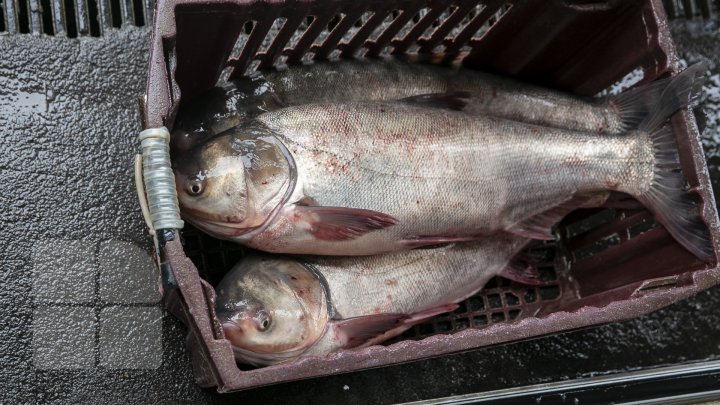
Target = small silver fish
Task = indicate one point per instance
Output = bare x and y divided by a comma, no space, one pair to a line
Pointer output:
276,309
222,108
370,178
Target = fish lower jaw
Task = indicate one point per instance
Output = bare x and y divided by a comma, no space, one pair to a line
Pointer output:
220,230
264,359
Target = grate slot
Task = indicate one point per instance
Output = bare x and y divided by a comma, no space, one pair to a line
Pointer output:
377,46
268,58
3,25
138,12
427,45
336,35
402,45
705,8
94,18
318,24
349,49
70,19
46,10
493,9
671,8
115,14
23,17
690,9
253,42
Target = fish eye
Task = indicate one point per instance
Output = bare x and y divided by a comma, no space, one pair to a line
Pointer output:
263,321
195,187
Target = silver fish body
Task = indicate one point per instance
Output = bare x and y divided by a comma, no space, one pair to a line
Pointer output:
318,305
364,178
236,102
437,173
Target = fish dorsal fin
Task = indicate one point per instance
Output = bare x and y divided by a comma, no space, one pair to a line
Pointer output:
356,331
540,225
454,100
522,269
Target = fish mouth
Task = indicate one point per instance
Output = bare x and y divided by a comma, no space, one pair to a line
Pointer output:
265,359
220,228
215,224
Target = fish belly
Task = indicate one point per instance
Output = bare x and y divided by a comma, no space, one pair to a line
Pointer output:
417,280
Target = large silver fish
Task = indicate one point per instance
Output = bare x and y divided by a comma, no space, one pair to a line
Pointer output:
222,108
370,178
277,309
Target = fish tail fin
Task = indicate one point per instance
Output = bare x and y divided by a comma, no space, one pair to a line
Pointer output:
638,107
635,104
668,197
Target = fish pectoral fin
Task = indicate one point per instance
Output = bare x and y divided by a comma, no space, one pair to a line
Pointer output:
369,329
540,225
455,100
339,223
522,269
356,331
420,241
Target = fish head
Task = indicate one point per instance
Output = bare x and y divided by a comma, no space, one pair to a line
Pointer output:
272,309
234,182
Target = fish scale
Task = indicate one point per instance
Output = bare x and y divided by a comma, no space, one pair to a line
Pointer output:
478,177
418,280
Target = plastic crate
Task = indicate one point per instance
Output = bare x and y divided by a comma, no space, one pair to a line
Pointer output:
608,265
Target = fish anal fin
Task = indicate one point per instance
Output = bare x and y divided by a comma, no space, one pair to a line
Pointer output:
455,100
356,331
339,223
540,225
522,269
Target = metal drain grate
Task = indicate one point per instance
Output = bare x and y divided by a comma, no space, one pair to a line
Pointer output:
691,9
72,18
